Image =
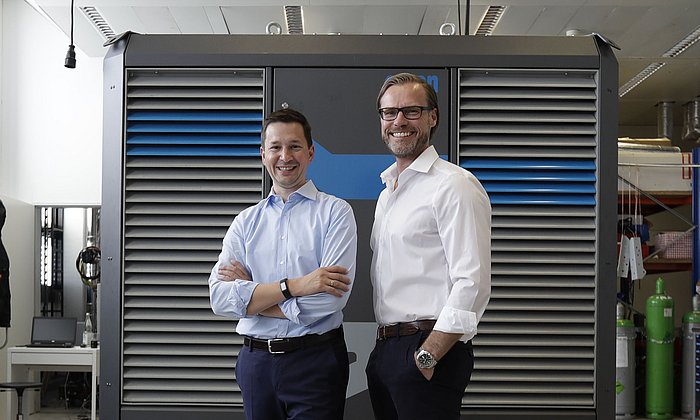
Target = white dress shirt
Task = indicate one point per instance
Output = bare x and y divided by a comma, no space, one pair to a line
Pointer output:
432,246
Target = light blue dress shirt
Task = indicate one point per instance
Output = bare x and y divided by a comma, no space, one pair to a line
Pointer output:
276,240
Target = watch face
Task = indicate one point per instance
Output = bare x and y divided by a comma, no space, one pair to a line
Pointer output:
425,359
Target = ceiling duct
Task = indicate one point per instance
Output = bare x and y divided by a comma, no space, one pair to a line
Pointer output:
664,119
691,120
295,23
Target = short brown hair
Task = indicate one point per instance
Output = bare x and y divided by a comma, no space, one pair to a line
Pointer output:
288,115
406,78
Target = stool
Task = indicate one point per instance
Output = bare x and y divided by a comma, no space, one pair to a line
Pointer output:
20,387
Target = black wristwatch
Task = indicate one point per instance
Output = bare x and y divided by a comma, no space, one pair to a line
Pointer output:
425,359
285,289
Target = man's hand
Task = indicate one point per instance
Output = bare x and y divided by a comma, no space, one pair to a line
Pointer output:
427,373
331,280
235,271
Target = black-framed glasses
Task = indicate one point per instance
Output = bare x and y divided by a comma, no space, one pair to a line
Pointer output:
409,112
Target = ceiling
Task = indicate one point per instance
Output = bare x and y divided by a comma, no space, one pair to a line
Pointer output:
645,30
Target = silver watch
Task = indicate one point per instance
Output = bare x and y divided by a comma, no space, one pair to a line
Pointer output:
425,359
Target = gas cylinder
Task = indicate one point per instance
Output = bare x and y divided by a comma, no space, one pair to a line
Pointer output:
624,366
660,335
690,320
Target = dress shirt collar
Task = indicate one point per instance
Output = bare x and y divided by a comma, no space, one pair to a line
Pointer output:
423,163
307,190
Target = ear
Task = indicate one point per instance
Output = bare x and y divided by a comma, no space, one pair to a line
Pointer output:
433,118
262,153
311,153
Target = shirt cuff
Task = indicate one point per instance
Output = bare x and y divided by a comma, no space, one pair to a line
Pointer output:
240,295
290,309
457,321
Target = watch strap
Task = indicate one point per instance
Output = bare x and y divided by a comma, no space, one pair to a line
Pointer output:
285,289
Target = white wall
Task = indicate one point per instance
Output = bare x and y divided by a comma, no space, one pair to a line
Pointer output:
51,126
50,143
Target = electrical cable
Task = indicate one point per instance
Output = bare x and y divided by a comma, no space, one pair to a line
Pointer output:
459,17
70,55
466,17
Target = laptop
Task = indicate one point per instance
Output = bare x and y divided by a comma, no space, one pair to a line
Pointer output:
53,332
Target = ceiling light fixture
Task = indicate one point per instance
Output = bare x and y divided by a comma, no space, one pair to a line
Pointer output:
490,20
652,68
684,44
98,21
295,22
639,78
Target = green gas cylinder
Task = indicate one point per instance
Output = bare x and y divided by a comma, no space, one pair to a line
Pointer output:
660,336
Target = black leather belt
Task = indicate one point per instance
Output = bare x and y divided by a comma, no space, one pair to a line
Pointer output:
404,328
286,345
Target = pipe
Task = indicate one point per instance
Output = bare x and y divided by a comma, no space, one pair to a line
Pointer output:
664,119
691,120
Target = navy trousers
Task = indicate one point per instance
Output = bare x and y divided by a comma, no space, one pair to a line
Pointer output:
306,384
398,390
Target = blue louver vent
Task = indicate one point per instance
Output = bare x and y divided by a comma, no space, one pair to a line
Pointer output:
540,181
194,133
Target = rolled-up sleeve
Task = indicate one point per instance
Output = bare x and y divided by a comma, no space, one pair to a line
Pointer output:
339,248
463,213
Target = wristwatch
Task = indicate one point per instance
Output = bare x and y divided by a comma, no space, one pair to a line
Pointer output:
285,289
425,359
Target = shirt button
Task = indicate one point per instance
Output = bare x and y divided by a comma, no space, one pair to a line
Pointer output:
282,237
281,262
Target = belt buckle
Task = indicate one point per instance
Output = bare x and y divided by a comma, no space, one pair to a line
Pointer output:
270,341
381,333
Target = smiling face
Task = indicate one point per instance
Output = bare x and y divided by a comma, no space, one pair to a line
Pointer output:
407,139
286,156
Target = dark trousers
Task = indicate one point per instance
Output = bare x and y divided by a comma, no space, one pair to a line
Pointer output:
306,384
398,390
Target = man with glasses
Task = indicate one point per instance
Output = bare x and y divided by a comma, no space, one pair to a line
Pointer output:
431,267
285,270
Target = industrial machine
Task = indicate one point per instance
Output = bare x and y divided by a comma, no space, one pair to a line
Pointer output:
535,118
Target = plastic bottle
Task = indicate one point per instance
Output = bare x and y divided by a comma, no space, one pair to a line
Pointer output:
87,333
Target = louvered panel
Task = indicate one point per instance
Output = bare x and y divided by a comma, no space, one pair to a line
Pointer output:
189,186
543,246
163,290
522,398
180,220
226,396
540,257
543,270
487,330
536,340
538,293
537,280
542,234
193,208
543,211
192,164
184,373
148,243
530,136
572,376
515,139
541,305
528,365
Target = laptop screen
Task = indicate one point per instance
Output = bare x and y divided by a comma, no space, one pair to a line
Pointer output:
52,330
